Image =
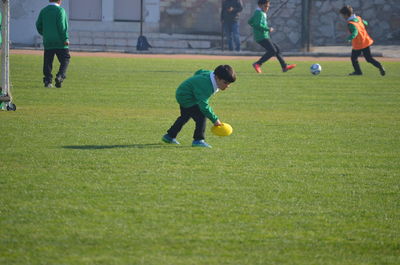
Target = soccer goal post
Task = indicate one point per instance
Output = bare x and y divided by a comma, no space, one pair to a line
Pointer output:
6,96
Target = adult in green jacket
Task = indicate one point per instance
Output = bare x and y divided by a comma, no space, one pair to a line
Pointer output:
193,98
52,24
261,31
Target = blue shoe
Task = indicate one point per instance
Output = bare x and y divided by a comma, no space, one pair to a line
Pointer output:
200,143
169,140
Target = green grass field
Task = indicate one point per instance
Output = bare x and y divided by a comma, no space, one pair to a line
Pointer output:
311,174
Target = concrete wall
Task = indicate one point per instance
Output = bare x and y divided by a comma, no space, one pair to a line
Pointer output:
25,12
23,17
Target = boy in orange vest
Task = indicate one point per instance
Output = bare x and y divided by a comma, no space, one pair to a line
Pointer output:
360,40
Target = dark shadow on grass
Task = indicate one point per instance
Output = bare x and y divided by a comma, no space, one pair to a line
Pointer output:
100,147
279,75
161,71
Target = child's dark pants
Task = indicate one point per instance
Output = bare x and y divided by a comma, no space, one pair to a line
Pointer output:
368,57
272,50
63,57
195,113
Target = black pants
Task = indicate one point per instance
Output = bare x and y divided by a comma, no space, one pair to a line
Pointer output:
368,57
272,50
195,113
62,56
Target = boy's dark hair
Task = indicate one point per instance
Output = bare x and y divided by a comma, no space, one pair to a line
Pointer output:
226,73
346,10
263,2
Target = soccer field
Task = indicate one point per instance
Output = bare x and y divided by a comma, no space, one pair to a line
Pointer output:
310,175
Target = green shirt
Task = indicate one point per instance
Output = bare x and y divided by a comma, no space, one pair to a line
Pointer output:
52,24
260,25
196,91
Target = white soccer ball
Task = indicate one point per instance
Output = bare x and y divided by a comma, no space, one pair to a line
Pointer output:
315,69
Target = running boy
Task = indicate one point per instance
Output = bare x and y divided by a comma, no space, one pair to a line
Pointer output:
52,24
360,40
193,96
261,32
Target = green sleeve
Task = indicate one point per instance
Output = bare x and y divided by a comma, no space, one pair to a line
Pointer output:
39,24
62,24
202,91
258,21
353,32
204,106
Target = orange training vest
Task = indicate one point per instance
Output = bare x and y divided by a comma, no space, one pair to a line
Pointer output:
362,40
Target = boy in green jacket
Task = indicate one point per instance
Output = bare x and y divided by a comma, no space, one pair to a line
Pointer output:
193,96
52,24
261,32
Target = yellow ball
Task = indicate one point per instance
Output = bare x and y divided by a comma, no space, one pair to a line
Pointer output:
222,130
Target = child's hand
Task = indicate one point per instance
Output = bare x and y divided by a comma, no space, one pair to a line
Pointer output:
271,29
217,123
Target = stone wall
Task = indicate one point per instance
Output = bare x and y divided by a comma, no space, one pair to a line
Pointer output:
198,16
327,27
189,16
286,20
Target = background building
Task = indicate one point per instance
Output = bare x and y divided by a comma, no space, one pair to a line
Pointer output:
196,23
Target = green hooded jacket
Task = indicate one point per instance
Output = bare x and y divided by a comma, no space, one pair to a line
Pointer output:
52,24
260,25
197,90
